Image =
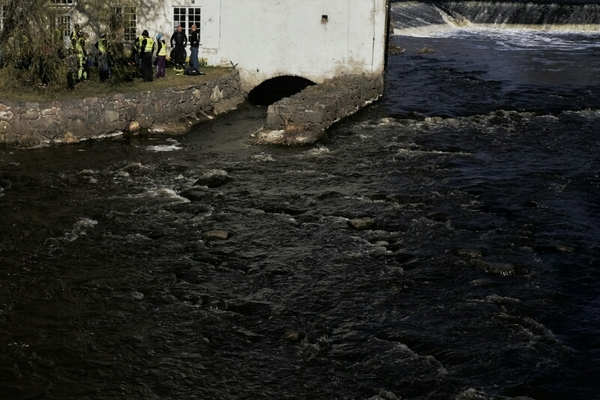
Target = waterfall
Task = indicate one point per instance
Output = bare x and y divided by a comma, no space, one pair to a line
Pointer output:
414,16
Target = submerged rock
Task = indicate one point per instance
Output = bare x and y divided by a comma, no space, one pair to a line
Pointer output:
469,253
293,336
472,394
493,267
361,223
216,235
213,179
196,194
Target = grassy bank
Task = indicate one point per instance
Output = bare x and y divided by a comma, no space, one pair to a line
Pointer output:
15,89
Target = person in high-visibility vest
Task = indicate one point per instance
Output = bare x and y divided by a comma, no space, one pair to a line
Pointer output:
161,57
75,33
146,51
78,47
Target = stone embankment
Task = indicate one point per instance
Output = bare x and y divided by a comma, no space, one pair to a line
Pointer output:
30,124
304,117
300,119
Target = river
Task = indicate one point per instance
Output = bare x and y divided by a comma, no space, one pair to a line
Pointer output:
475,277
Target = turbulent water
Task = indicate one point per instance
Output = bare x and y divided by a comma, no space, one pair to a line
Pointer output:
475,275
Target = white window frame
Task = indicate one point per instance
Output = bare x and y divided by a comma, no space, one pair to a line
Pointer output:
64,11
68,21
186,17
3,12
128,16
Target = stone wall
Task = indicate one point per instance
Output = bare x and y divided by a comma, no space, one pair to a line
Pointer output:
35,123
304,117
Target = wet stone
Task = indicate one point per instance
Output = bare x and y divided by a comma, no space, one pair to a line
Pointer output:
216,235
213,180
361,223
293,336
552,246
498,268
387,395
196,194
469,253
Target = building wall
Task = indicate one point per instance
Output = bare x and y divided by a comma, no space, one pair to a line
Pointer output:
313,39
270,38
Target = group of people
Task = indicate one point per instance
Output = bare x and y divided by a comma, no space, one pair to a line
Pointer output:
146,52
145,48
80,62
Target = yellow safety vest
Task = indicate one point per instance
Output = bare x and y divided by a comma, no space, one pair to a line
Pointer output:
102,45
79,45
163,50
149,45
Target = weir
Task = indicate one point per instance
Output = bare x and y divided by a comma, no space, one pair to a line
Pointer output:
412,17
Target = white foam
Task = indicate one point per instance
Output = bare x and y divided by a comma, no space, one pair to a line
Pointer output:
262,157
214,172
166,194
164,147
319,151
80,228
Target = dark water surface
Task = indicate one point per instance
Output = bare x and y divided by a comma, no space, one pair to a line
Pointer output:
478,278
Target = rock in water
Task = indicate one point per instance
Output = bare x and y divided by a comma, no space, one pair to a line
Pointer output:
361,223
216,235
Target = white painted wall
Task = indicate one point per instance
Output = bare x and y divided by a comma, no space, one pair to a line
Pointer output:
270,38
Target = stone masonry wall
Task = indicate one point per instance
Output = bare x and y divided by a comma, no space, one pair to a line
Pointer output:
34,123
304,117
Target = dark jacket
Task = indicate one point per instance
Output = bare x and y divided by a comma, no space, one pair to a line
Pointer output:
195,38
179,39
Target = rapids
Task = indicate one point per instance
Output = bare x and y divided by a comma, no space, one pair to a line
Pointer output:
475,279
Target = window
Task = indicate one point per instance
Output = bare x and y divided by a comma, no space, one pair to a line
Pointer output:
126,19
186,17
63,22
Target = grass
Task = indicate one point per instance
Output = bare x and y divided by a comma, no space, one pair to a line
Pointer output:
14,88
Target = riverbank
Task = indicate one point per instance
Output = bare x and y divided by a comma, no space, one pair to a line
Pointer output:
94,110
14,89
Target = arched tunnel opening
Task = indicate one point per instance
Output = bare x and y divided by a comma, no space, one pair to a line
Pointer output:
275,89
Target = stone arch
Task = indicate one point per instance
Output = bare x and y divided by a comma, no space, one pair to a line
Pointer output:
274,89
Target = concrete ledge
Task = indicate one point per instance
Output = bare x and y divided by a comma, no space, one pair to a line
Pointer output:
29,124
304,117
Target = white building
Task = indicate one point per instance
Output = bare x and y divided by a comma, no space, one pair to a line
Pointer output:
312,39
